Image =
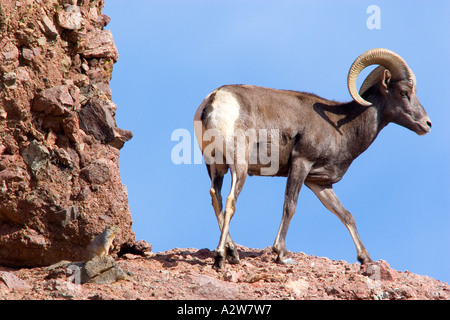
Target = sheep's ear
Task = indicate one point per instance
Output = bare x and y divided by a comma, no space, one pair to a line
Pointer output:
386,79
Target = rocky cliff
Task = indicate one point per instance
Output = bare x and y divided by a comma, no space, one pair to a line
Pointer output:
187,274
59,143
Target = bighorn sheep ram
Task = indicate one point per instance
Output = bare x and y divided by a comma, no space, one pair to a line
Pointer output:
315,140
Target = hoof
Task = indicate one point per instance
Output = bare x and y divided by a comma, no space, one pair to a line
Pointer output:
284,257
364,259
233,256
219,262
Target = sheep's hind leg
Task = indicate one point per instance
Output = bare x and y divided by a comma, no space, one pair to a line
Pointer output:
231,252
216,197
238,175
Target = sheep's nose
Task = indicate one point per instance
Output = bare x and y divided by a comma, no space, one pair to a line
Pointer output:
429,123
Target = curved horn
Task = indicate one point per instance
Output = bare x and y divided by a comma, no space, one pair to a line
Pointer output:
372,78
384,57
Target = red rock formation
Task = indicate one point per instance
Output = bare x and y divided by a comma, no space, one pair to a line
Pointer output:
59,142
187,274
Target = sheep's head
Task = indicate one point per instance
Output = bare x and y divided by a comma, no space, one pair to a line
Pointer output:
396,85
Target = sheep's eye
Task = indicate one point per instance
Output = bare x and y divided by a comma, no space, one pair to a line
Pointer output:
403,93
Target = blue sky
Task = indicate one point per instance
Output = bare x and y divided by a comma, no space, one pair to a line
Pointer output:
173,53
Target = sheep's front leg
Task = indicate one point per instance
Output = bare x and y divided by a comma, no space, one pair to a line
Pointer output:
297,174
331,201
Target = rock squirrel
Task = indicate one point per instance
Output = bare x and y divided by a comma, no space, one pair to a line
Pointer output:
101,244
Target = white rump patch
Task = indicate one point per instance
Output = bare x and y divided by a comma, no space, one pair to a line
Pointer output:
225,113
220,126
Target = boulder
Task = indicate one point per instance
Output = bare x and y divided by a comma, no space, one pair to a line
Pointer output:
98,172
48,27
100,44
12,282
380,270
55,101
71,18
101,270
97,119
